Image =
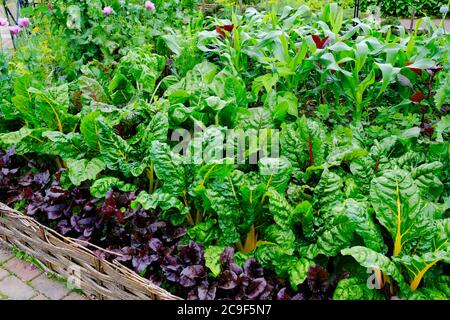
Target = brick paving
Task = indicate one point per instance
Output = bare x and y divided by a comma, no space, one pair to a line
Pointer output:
20,280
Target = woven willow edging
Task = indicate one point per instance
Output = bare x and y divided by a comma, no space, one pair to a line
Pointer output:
99,279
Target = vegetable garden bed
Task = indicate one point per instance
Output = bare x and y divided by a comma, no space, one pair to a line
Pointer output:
269,155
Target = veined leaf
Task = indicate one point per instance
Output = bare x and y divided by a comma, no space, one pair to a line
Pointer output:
418,265
90,131
282,212
275,173
164,201
364,225
113,148
82,170
397,203
335,235
168,169
355,289
101,186
212,259
328,191
372,259
298,271
15,137
426,177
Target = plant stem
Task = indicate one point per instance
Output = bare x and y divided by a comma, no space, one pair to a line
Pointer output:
190,220
58,163
150,179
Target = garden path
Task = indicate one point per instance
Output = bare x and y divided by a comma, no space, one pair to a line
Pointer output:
21,280
407,22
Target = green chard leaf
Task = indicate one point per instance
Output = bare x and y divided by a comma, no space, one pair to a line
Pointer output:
212,259
398,206
101,186
372,259
355,289
82,170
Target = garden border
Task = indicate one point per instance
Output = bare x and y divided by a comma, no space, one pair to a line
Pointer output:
99,279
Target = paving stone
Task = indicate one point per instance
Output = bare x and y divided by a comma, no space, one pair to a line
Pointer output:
3,273
15,289
40,297
74,296
23,270
5,255
52,289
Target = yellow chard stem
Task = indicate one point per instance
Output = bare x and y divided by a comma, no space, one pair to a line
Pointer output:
150,179
58,163
190,220
416,281
398,237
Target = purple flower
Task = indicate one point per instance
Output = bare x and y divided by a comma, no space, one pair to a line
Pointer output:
3,22
107,11
149,5
15,30
24,22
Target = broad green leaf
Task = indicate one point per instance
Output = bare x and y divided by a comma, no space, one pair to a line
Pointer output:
364,224
282,212
204,232
328,191
345,154
156,130
221,195
212,259
336,235
355,289
164,201
101,186
268,81
51,106
15,137
275,173
303,213
442,127
66,146
397,203
90,131
439,250
23,105
421,64
426,177
82,170
114,150
372,259
286,104
302,143
363,171
298,271
235,92
92,88
167,168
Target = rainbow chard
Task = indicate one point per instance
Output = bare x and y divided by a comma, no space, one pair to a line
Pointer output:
420,241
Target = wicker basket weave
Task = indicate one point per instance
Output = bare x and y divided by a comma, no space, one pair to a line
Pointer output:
99,279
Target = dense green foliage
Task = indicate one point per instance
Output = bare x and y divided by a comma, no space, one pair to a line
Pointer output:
361,114
402,8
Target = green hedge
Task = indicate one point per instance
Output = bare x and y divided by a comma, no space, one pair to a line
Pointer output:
400,8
